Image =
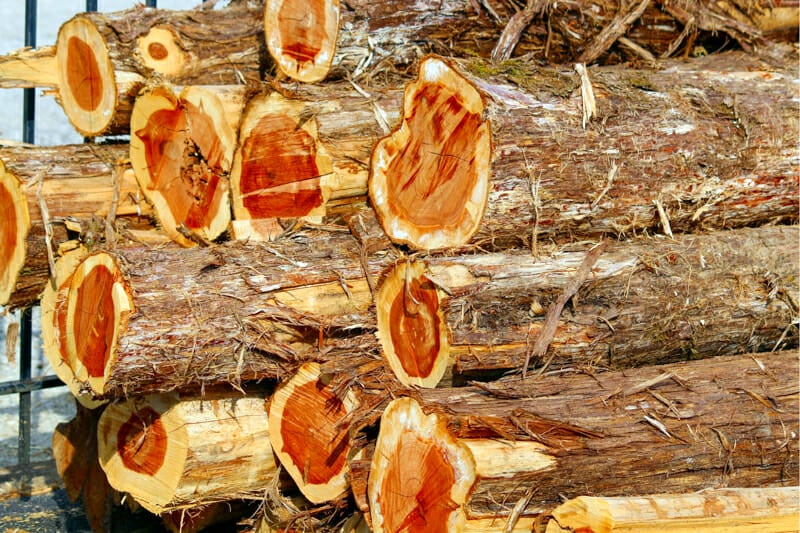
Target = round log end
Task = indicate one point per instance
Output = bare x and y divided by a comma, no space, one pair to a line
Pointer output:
279,169
98,304
160,49
411,326
301,36
420,475
181,153
142,445
305,416
86,82
15,222
429,179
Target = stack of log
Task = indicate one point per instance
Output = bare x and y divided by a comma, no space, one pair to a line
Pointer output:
394,266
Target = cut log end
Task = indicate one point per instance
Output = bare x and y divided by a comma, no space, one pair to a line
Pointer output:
429,180
142,449
411,326
301,36
420,475
161,50
98,303
279,169
86,81
15,222
306,432
181,153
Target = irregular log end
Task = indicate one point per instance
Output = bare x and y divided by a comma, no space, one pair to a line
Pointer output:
411,326
280,168
98,303
429,179
161,50
181,152
86,81
142,445
420,475
305,429
301,36
15,222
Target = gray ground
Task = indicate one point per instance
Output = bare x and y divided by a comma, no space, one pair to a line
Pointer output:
55,405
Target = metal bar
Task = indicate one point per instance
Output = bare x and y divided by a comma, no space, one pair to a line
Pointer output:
91,5
151,3
21,386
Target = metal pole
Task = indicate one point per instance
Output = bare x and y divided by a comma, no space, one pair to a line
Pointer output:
91,5
26,329
151,3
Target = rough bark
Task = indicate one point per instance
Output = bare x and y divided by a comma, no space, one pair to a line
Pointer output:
734,510
729,421
79,186
117,52
170,453
704,142
238,312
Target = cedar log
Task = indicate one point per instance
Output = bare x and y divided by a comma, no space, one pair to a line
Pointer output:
237,312
79,185
104,59
728,421
172,453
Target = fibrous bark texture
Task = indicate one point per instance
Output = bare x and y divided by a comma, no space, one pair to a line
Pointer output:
103,59
45,191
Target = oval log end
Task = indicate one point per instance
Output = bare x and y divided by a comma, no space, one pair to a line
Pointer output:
15,222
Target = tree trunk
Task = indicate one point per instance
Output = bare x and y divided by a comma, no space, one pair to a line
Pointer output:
170,453
713,153
238,312
735,510
682,427
79,185
117,52
181,152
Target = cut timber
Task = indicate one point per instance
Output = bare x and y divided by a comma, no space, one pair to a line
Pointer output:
308,435
281,170
750,510
181,152
429,179
77,184
553,179
420,475
170,453
75,453
28,68
104,59
411,325
301,36
236,312
727,421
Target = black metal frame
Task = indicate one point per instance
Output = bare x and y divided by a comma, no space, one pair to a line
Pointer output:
26,384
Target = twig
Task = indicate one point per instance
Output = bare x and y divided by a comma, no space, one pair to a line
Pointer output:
48,229
612,173
548,331
688,27
638,50
587,94
627,15
662,215
520,506
513,31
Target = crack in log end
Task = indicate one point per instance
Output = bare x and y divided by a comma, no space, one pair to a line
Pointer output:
301,36
142,442
411,326
430,178
307,432
420,475
14,227
280,170
83,75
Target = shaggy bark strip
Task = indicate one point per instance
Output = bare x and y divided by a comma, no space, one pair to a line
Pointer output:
171,453
104,59
429,179
181,152
728,421
301,36
748,510
237,312
78,184
307,432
